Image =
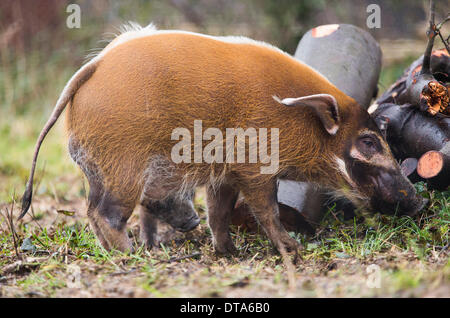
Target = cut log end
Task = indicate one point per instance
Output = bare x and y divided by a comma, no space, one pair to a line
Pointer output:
430,164
437,98
324,30
441,52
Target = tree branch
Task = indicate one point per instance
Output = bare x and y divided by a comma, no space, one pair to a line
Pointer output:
445,42
431,34
438,29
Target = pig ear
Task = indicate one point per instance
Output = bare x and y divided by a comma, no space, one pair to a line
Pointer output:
324,105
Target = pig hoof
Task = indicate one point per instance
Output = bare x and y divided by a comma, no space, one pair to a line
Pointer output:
291,245
148,246
293,248
190,224
226,249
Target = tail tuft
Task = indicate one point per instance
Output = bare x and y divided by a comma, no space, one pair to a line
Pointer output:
26,201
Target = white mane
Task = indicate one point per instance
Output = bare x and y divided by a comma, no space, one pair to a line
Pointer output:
133,30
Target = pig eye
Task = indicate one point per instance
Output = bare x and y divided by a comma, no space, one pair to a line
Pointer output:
369,144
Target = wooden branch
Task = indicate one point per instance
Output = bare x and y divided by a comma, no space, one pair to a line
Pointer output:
447,47
438,30
440,24
10,222
431,34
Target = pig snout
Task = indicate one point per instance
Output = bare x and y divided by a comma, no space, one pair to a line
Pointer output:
394,194
177,212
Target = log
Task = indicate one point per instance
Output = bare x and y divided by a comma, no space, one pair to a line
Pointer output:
348,56
428,91
408,166
299,204
303,197
417,126
412,133
430,164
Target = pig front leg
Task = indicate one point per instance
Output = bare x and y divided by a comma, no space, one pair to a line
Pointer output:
149,228
263,203
220,202
153,230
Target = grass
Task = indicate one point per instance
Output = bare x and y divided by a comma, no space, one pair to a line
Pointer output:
66,261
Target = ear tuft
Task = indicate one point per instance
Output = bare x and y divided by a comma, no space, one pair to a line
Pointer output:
324,105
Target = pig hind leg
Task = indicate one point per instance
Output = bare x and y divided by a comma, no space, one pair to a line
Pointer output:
263,204
107,213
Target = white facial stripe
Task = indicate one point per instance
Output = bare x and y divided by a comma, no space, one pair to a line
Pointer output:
355,154
377,159
340,163
341,167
